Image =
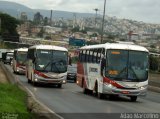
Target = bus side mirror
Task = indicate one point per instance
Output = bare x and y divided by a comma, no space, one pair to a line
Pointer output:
103,65
34,60
69,61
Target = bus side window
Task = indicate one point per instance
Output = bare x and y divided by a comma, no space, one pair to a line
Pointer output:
86,56
90,56
80,56
83,56
94,56
99,55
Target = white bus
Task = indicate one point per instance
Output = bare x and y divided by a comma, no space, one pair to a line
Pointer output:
47,64
19,60
113,69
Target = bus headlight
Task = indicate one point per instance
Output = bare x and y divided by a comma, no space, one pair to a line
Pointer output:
64,81
36,76
142,87
110,86
36,80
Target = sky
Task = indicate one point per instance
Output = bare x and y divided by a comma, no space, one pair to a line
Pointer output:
141,10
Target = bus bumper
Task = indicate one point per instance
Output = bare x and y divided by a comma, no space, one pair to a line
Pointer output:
50,80
20,70
109,89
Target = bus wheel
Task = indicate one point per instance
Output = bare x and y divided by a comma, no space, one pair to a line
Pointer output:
33,82
133,98
99,95
29,81
59,85
85,91
14,71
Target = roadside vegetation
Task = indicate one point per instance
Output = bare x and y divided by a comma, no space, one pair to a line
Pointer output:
13,101
154,64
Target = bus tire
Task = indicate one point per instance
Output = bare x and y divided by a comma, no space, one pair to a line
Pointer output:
133,98
98,94
59,85
29,81
34,83
85,90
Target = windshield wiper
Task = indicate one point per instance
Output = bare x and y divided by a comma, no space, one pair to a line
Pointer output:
55,67
44,69
134,73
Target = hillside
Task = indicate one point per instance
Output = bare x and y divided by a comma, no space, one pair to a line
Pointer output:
14,9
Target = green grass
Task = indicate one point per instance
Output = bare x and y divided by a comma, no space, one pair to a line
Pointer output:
13,100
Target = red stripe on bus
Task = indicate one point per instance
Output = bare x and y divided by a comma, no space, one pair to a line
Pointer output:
40,74
107,80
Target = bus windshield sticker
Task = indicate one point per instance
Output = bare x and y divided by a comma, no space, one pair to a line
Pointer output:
41,66
115,52
113,72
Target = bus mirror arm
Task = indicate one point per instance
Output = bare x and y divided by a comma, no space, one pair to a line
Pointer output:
69,61
34,60
103,65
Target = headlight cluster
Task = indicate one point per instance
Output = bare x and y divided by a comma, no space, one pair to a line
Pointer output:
142,87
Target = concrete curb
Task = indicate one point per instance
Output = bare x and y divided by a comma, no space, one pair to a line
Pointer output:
154,89
33,105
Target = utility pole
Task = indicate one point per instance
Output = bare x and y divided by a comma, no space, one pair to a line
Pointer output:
74,20
104,10
96,9
0,25
51,18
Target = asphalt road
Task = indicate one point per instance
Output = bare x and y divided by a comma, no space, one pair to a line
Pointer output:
71,103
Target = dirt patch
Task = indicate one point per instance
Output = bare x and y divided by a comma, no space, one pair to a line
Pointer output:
3,78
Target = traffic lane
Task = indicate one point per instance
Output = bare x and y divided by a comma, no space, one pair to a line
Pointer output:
152,96
70,99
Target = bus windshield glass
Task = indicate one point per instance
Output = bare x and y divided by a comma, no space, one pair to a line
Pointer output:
21,57
123,65
51,61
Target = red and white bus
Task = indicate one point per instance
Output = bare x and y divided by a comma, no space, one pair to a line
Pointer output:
19,60
47,64
114,69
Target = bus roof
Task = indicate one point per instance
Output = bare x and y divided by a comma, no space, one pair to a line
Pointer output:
117,46
22,49
48,47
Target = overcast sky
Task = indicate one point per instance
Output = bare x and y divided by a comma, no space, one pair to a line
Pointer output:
141,10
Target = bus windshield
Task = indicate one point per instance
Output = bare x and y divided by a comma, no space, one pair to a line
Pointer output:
123,65
21,57
51,61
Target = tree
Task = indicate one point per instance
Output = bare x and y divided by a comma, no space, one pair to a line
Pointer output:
154,63
46,21
75,29
8,27
38,18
